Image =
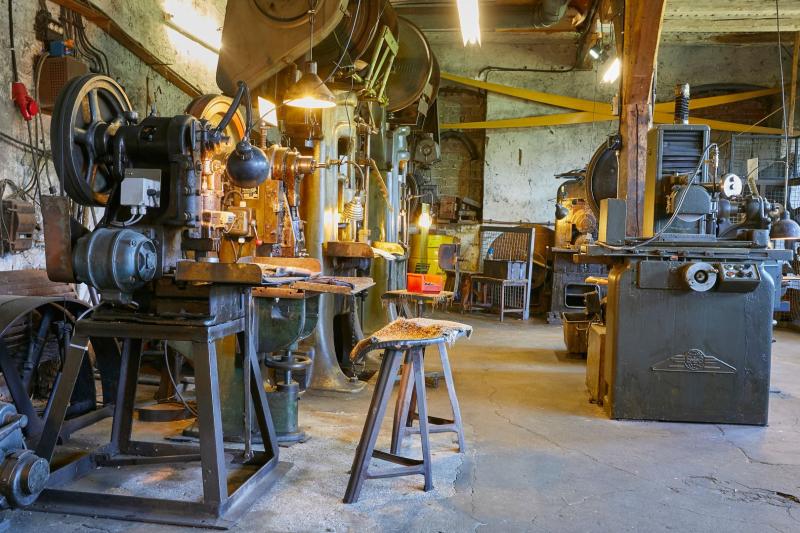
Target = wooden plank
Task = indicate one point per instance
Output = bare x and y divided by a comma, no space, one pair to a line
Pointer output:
793,90
642,30
107,24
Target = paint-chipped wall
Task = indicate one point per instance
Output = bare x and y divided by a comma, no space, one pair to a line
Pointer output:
520,163
144,21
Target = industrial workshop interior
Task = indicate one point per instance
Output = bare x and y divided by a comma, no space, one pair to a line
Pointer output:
399,265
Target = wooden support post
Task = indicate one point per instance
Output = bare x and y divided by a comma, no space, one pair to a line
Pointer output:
642,30
790,117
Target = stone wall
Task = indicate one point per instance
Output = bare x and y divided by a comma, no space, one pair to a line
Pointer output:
520,163
144,21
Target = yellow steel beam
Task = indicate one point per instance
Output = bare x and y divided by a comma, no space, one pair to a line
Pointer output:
719,125
559,119
602,108
711,101
591,111
557,100
582,117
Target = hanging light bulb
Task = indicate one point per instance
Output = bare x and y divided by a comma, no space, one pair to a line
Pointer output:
425,221
613,71
469,18
310,92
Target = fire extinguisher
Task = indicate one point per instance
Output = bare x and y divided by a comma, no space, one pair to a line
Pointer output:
27,106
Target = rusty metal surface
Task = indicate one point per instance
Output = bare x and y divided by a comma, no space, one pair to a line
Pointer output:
255,47
347,249
58,238
231,273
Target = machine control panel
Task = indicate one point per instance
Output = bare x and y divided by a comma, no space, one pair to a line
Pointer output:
738,277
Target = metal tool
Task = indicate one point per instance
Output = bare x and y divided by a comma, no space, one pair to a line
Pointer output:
23,474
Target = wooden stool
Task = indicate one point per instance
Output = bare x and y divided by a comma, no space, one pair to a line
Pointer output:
396,351
405,409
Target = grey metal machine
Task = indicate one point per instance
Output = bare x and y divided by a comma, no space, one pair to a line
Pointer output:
154,257
689,308
577,210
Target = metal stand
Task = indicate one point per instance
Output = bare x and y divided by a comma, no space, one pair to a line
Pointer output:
226,494
405,410
377,409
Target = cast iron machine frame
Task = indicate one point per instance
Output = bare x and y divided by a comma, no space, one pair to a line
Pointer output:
161,278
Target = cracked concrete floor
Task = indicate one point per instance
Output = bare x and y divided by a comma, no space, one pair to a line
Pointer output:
540,458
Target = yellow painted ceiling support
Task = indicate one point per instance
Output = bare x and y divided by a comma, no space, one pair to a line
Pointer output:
591,111
557,100
719,125
711,101
558,119
582,117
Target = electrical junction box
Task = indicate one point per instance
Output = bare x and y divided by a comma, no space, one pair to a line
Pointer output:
141,189
17,224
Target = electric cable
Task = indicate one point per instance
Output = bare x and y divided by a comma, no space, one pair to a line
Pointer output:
174,385
346,46
675,212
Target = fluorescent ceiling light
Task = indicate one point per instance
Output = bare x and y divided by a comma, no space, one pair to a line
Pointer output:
470,21
613,71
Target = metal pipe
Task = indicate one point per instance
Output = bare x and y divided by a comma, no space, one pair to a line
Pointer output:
548,13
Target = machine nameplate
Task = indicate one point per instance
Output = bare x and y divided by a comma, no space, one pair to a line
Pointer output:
692,361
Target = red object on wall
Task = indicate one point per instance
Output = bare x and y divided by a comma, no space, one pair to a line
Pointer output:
28,107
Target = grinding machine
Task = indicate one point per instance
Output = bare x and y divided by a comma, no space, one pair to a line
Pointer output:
688,317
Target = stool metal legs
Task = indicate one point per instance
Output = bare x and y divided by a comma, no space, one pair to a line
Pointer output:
377,409
408,404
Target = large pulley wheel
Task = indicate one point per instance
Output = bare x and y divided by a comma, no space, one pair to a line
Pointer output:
88,110
413,67
601,174
212,107
35,336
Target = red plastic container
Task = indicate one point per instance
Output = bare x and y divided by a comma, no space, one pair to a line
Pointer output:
424,283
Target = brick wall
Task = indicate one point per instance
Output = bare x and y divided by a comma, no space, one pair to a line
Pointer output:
457,174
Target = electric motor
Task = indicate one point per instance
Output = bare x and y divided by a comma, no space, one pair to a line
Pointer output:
115,260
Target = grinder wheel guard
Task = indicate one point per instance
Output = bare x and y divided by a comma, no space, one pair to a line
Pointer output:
86,111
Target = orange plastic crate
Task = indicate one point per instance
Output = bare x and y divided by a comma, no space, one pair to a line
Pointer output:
424,283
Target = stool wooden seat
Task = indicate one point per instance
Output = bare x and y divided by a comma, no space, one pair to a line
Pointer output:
402,340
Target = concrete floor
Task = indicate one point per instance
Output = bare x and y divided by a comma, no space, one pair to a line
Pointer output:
540,458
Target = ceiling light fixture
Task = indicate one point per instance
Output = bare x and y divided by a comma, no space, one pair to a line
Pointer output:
310,92
469,18
613,71
784,229
425,220
596,51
